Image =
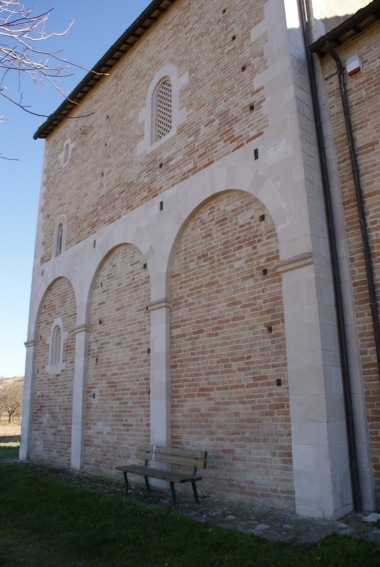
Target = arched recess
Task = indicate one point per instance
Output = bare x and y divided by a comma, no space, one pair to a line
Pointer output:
118,380
52,396
229,389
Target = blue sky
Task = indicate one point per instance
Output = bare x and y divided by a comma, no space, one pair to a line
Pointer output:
96,27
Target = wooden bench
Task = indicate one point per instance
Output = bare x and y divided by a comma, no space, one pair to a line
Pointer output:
181,458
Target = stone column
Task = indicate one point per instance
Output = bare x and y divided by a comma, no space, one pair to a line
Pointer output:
79,397
160,410
319,440
27,406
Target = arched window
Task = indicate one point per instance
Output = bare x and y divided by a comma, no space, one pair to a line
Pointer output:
59,240
66,151
56,342
162,114
56,346
59,237
163,109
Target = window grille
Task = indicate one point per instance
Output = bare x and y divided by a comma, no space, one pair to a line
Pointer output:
164,109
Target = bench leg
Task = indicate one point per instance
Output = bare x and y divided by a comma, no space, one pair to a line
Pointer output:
172,490
126,483
147,483
195,491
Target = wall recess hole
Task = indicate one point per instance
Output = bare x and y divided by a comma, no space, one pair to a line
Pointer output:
96,360
148,350
94,395
160,166
252,107
100,322
145,266
224,10
244,68
269,330
161,205
256,153
42,273
233,38
265,272
262,218
94,244
278,382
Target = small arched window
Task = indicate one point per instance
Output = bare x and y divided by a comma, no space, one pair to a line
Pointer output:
59,240
59,237
66,151
56,346
56,342
163,109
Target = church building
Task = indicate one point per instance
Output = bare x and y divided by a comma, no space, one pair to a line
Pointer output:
207,259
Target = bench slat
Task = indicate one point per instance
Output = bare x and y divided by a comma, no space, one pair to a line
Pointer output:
159,473
173,456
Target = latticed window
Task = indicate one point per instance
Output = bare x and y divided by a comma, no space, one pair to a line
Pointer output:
56,346
163,109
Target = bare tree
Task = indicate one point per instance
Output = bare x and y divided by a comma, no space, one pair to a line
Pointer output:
22,37
11,392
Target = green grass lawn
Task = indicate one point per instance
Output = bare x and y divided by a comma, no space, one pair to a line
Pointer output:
46,522
9,450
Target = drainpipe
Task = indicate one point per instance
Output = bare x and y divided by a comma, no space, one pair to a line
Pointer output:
359,202
342,335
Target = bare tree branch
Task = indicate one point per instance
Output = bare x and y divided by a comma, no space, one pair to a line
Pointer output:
22,33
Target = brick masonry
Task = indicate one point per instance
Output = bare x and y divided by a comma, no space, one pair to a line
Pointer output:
53,393
228,349
117,393
218,126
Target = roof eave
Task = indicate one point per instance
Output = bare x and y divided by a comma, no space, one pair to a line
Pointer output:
101,69
353,25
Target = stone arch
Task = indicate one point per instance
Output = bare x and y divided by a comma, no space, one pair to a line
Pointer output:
50,437
118,375
229,390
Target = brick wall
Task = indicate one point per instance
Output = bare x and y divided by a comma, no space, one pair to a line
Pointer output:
363,96
117,397
224,360
208,40
53,393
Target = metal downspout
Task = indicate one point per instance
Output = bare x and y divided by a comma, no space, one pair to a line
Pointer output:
342,335
359,202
